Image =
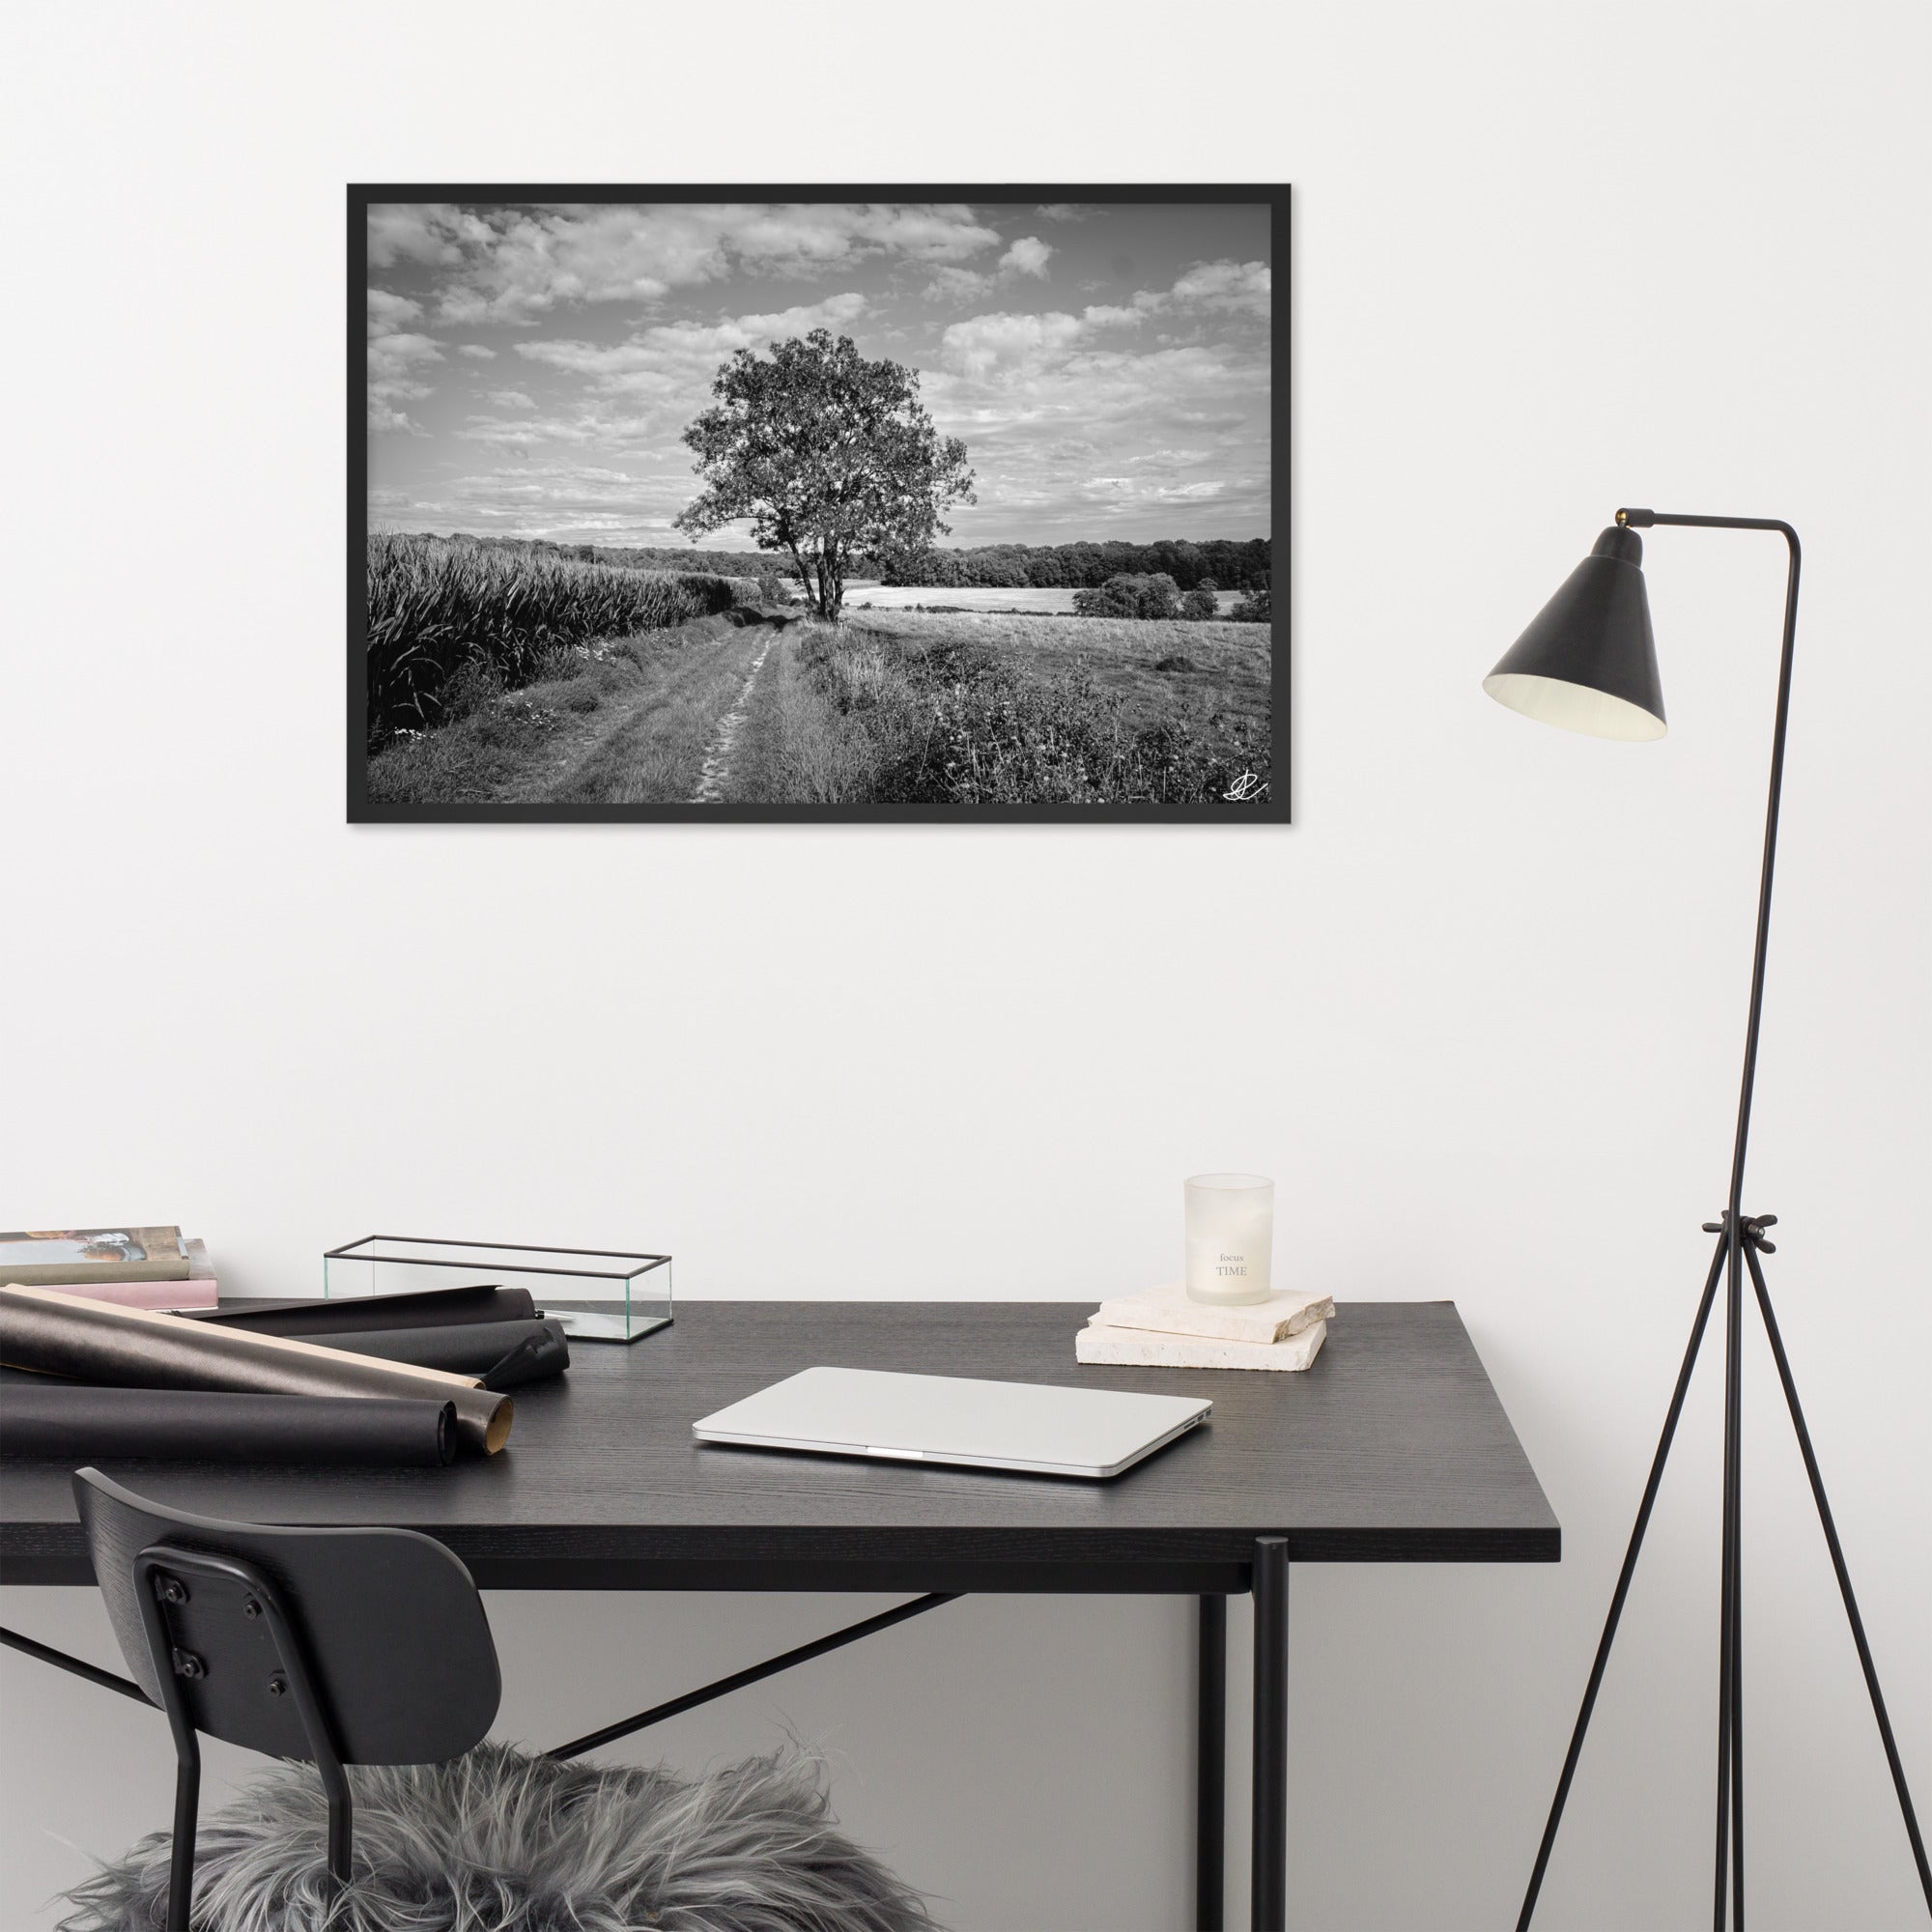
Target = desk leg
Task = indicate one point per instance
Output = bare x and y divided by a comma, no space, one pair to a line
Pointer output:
1269,1894
1211,1766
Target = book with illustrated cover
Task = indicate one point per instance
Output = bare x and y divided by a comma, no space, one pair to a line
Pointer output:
58,1256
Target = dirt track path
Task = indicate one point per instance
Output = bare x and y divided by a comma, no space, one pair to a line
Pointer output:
716,771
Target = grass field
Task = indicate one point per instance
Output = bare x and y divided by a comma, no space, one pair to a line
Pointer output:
967,709
1233,660
862,595
890,708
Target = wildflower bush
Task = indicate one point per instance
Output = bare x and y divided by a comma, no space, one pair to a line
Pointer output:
1150,597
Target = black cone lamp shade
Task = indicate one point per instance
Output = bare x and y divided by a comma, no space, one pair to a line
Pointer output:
1588,662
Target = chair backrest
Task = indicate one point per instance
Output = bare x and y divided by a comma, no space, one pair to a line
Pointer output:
391,1629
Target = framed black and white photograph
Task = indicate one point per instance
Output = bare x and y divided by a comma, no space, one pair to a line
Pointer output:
865,503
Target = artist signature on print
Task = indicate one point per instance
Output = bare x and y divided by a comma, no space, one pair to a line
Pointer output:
1246,789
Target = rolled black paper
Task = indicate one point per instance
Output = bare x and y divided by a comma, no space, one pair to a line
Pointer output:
465,1348
69,1423
363,1313
524,1363
137,1348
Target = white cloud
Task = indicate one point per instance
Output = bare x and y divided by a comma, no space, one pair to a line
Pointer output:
396,376
1066,211
638,395
828,232
477,350
958,285
511,399
1028,256
1225,285
551,495
388,313
1084,428
1120,493
669,354
392,357
421,231
517,264
641,392
989,344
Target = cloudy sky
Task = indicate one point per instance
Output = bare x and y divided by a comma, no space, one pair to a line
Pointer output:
532,367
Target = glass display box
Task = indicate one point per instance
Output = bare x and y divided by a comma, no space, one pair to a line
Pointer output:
598,1295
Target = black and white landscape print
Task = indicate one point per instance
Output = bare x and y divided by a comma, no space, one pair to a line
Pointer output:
906,503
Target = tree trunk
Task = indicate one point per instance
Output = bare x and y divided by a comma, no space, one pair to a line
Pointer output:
804,575
835,591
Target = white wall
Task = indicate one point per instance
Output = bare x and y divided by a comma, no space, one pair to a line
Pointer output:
1479,1010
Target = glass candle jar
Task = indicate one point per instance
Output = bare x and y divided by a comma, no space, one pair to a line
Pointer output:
1230,1236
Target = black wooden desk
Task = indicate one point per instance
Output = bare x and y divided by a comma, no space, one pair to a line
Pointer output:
1391,1448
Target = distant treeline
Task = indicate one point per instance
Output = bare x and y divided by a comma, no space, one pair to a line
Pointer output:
1075,566
1086,566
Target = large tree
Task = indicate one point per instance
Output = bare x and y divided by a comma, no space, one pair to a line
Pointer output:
828,456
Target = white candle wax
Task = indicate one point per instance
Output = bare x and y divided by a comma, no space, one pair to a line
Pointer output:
1230,1236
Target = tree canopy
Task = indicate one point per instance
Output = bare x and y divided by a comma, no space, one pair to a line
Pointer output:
828,456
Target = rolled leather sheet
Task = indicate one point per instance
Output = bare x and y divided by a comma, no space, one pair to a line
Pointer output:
363,1313
75,1423
137,1348
467,1349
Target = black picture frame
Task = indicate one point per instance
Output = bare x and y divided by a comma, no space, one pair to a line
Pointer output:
1275,809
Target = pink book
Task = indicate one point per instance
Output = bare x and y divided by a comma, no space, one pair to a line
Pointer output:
160,1294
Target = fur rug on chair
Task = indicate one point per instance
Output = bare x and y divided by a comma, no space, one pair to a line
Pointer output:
500,1842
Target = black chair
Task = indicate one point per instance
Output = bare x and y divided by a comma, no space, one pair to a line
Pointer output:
370,1647
330,1646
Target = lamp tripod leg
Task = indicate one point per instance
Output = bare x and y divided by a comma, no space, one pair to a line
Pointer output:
1622,1590
1729,1879
1736,1455
1843,1575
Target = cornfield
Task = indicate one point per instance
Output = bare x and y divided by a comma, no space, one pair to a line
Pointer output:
433,605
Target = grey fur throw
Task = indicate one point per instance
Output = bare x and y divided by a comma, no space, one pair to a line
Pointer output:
495,1841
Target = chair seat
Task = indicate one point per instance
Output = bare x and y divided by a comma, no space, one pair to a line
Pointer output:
498,1842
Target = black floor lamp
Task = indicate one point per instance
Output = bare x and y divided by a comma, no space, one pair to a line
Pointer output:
1588,662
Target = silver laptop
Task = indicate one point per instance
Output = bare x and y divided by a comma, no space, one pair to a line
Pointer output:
980,1425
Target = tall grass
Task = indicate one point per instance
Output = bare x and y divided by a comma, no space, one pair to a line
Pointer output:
435,606
957,722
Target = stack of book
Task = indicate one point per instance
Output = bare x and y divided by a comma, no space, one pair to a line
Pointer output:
1162,1328
132,1267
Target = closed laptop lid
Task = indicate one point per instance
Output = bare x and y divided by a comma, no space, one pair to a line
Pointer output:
954,1419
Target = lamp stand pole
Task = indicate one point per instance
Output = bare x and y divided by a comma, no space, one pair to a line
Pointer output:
1741,1241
